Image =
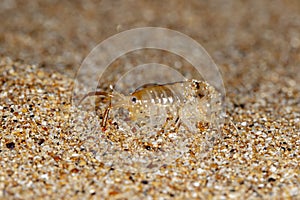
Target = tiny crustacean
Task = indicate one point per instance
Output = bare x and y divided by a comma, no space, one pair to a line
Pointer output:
186,102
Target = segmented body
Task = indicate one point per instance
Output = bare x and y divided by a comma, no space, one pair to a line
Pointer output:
189,102
166,94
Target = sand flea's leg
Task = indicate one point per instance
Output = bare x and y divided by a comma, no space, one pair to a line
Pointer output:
177,124
170,118
105,116
100,93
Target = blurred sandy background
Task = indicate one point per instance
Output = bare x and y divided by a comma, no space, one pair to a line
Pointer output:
241,36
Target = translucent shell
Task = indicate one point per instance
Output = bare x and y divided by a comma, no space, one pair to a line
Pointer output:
185,103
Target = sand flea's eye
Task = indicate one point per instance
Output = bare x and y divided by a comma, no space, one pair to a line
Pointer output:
196,84
133,99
